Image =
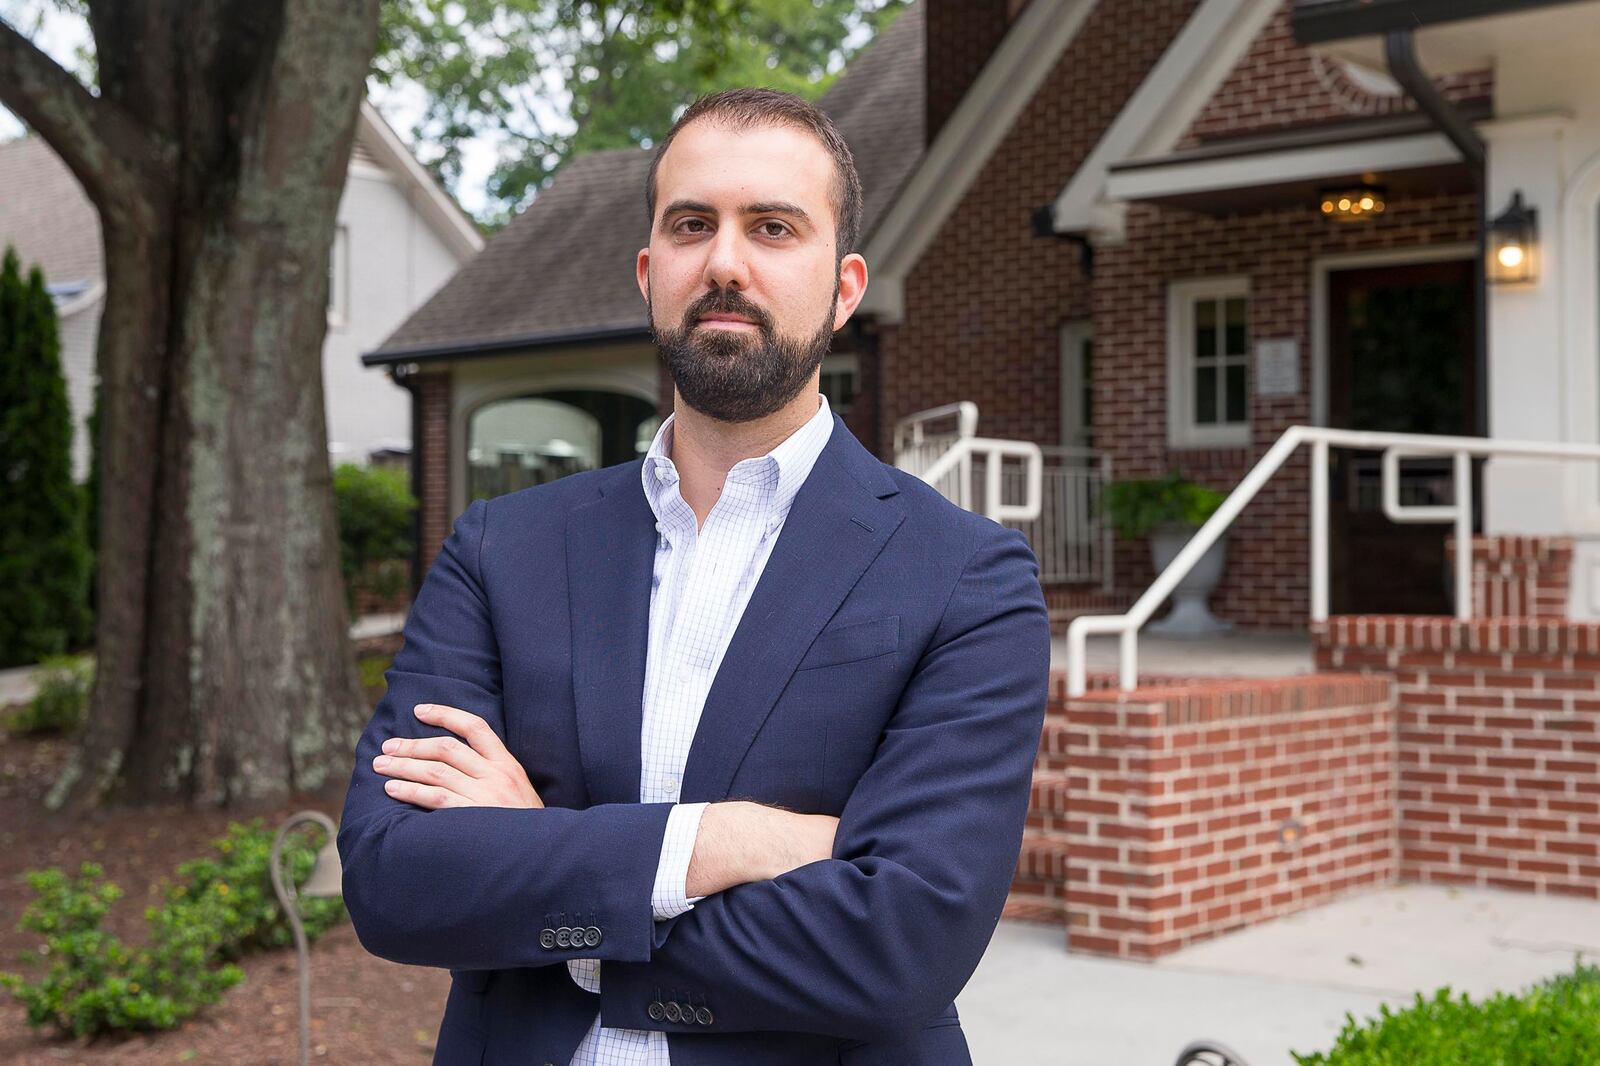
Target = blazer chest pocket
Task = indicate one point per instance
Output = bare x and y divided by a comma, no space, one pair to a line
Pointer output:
851,641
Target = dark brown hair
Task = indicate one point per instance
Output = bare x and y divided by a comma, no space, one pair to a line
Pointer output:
743,109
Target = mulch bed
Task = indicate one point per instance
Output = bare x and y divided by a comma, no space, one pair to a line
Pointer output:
364,1009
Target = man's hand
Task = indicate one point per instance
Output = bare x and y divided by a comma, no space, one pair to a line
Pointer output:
740,842
436,772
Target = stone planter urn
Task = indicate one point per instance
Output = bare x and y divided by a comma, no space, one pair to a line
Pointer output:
1189,617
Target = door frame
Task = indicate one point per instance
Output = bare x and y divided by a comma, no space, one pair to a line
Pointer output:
1322,266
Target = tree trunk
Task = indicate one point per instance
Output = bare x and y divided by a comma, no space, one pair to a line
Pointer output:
225,673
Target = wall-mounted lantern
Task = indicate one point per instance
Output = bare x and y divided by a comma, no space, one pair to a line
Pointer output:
1513,244
1357,203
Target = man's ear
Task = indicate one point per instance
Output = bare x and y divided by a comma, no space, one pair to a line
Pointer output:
852,287
642,269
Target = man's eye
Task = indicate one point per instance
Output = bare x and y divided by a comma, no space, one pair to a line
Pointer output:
688,221
782,229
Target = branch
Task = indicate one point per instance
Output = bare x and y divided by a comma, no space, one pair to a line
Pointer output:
57,105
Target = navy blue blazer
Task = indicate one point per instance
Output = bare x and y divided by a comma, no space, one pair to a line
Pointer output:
890,668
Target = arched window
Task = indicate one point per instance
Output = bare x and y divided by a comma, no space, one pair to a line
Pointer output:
519,441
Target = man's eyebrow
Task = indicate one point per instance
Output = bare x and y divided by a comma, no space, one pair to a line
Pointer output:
764,207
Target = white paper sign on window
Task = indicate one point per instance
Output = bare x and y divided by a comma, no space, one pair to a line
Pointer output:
1277,367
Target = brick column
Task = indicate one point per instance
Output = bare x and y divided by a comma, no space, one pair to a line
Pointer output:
434,450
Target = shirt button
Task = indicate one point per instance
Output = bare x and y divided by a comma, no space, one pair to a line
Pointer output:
660,528
662,474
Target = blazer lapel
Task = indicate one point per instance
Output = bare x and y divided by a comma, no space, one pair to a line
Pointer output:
837,524
611,544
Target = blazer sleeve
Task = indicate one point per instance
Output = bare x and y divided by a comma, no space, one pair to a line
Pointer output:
878,939
480,887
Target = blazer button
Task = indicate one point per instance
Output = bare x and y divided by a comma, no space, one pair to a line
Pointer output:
591,936
656,1011
703,1015
564,937
687,1011
547,938
674,1013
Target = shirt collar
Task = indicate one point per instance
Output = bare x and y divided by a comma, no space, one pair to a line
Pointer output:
792,460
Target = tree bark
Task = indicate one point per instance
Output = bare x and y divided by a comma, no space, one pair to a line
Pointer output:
216,154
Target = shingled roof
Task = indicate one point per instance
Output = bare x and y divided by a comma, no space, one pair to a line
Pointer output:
562,271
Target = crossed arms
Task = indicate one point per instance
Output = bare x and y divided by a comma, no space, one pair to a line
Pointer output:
867,942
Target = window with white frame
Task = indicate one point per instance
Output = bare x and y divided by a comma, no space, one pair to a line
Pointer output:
1208,362
839,380
339,278
1077,384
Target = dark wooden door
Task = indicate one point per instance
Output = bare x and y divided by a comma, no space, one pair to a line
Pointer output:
1400,360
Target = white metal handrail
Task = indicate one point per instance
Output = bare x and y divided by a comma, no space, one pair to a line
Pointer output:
936,457
1395,446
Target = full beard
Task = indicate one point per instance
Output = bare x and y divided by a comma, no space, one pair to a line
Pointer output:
740,375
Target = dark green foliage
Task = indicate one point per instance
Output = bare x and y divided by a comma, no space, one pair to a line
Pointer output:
224,908
44,558
1554,1023
373,505
61,700
1137,507
630,67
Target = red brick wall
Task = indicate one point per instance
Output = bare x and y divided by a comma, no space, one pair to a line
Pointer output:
1157,813
960,37
1499,745
1278,85
436,518
984,304
1266,581
1518,576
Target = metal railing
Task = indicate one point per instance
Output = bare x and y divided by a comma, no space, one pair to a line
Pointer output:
944,459
1070,539
1395,447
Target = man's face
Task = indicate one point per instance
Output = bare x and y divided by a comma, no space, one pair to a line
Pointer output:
740,277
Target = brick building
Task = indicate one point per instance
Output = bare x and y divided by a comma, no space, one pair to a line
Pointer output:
1153,235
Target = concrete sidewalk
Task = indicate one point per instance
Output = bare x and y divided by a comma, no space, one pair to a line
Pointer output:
1280,986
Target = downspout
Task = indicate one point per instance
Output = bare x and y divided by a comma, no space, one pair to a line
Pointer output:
1401,52
400,375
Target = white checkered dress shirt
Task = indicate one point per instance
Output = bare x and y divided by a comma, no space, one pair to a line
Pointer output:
702,581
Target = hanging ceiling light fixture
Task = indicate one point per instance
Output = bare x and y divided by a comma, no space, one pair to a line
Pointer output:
1355,203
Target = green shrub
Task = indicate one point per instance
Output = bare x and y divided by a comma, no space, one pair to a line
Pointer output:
224,908
238,876
373,667
1135,507
95,983
374,506
61,699
1554,1023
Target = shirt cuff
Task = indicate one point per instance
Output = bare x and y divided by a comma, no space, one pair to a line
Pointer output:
668,898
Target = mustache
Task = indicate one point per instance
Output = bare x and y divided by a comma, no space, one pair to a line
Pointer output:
726,302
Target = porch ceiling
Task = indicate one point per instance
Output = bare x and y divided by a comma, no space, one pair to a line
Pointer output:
1451,35
1404,153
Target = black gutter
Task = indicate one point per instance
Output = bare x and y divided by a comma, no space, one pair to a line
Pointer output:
1320,21
1400,50
570,338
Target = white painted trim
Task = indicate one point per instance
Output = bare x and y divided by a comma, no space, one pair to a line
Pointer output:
1029,51
451,223
1580,271
85,299
1291,164
1181,430
1323,266
1165,104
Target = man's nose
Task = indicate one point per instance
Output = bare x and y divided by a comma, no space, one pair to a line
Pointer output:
727,265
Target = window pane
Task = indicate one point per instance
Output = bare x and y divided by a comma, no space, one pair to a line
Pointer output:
1088,386
1205,395
1236,393
1236,325
1205,329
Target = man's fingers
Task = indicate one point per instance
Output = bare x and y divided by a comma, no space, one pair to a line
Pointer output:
448,750
470,727
422,771
429,796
